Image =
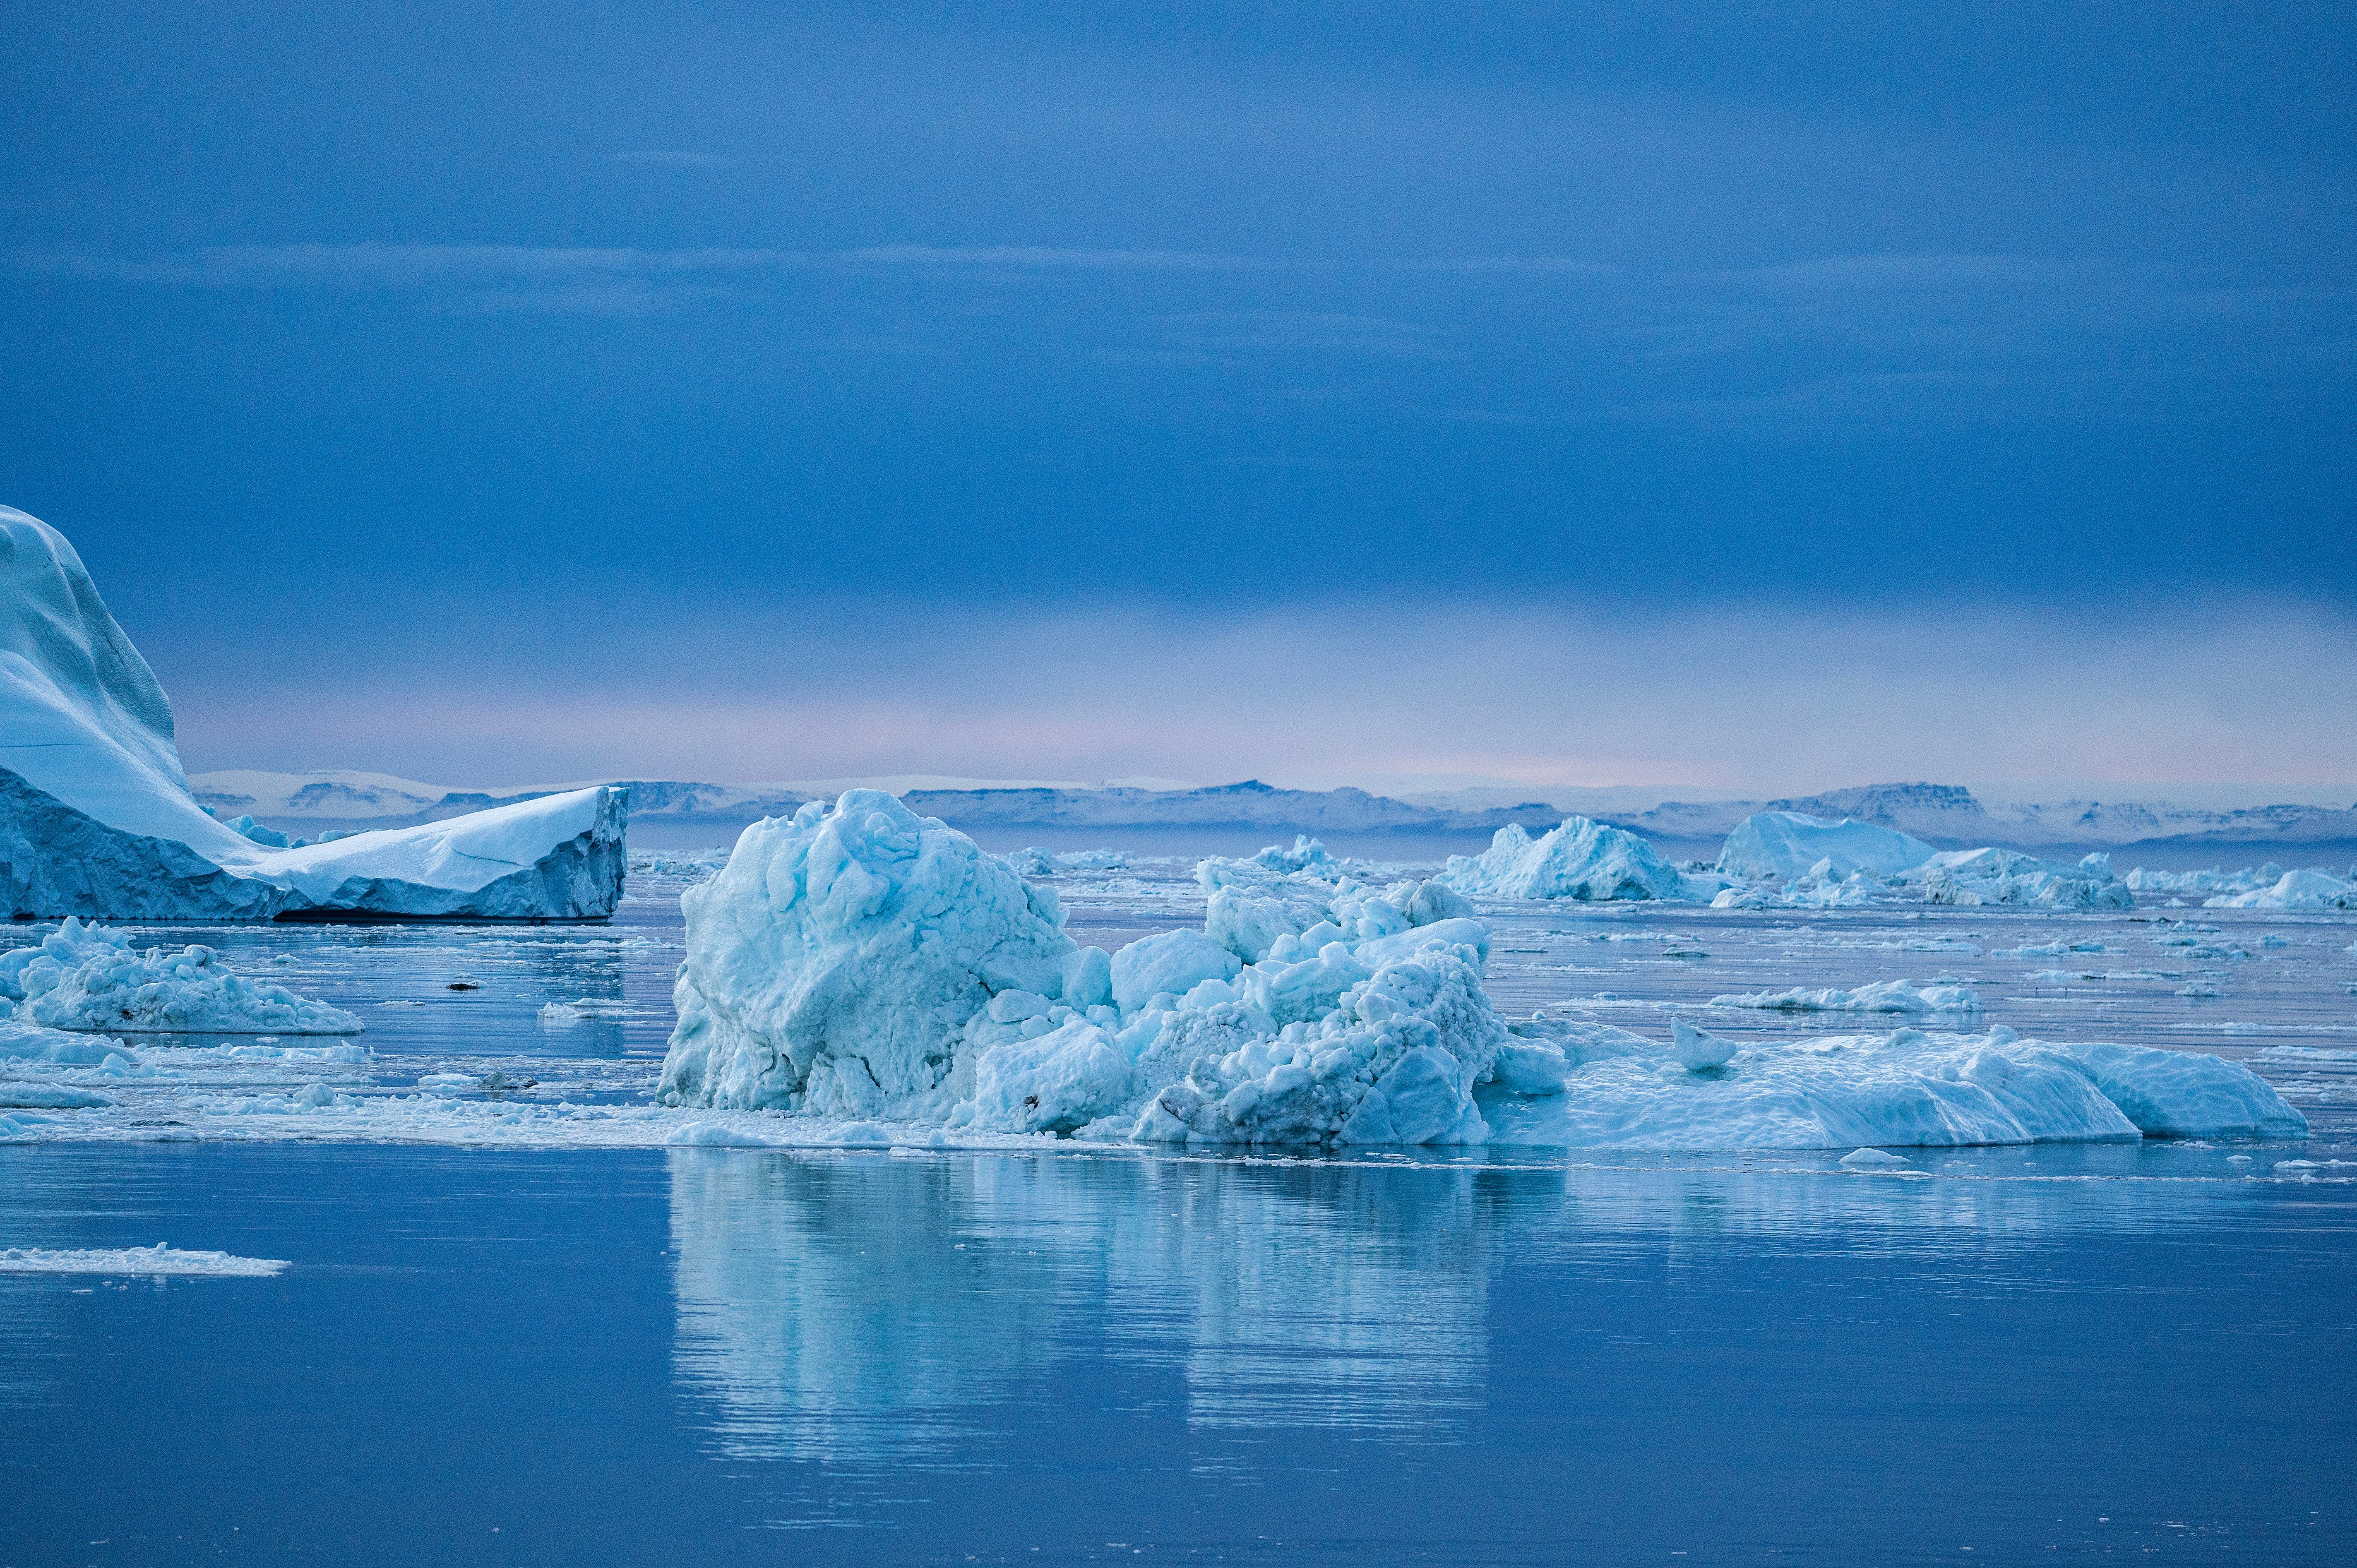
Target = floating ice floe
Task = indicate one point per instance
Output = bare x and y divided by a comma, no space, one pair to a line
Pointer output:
1036,861
96,819
2309,890
2211,881
1580,860
1886,996
83,977
140,1261
1909,1089
1784,845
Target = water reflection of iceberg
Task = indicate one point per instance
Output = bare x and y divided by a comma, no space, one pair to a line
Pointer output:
857,1310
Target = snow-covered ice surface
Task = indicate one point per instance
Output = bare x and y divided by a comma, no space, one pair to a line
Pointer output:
553,1037
96,819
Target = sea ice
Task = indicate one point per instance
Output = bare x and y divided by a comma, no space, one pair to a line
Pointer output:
1907,1088
1580,860
1783,846
84,977
1885,996
158,1259
96,819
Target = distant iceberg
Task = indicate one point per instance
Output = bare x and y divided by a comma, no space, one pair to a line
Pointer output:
1580,860
2000,876
1784,845
96,819
2311,890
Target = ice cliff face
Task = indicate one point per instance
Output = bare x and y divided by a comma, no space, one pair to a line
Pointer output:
96,819
862,960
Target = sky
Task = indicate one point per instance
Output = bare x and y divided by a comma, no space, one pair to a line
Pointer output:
1776,397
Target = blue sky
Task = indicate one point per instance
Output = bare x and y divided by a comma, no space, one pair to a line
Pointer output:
1072,391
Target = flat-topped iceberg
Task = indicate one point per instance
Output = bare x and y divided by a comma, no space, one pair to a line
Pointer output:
1784,845
96,819
1907,1088
1580,860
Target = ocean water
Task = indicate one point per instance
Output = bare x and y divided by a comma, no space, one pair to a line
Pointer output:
500,1345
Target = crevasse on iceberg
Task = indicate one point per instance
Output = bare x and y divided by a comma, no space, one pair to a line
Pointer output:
96,819
864,960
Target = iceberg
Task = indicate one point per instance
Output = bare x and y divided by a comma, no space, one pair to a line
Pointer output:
2001,876
85,978
1909,1089
96,819
1784,845
1580,860
858,959
1886,996
2307,890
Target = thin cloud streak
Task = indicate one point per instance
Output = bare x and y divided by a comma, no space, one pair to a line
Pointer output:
1755,699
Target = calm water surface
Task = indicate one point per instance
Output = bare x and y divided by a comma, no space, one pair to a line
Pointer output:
681,1356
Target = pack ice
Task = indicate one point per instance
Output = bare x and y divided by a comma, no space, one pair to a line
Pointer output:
96,819
862,962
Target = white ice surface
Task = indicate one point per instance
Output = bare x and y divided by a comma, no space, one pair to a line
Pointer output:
1781,846
142,1261
2305,890
1578,860
1885,996
96,819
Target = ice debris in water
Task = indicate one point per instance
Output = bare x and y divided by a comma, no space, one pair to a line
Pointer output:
1885,996
84,977
864,964
1580,860
1872,1159
1036,861
158,1259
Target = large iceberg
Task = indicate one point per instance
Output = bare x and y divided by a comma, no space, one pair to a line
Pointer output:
96,819
859,959
1784,845
1580,860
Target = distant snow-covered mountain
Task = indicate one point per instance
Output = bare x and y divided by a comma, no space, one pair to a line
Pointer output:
1950,816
